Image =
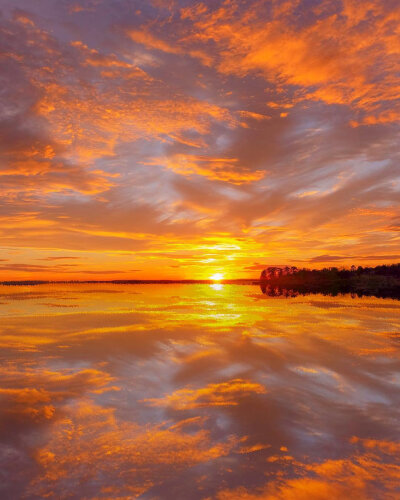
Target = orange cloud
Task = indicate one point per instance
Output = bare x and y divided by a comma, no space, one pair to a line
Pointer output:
145,449
221,169
90,122
222,394
82,117
32,396
150,41
348,54
362,476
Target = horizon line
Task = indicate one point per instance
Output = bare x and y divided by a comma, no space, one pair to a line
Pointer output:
122,281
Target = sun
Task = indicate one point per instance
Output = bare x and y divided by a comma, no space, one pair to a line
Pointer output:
217,277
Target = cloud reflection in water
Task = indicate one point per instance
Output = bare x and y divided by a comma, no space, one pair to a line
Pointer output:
193,391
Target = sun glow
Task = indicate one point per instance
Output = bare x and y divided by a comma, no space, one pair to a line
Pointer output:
217,277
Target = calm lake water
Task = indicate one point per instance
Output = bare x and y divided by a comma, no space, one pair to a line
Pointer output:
197,392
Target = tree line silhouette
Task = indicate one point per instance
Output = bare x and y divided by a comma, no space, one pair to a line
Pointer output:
356,278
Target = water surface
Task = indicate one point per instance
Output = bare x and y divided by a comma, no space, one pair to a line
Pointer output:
197,392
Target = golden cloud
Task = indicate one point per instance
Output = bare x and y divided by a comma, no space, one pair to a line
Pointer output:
221,394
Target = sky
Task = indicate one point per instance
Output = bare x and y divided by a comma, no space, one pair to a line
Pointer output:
179,139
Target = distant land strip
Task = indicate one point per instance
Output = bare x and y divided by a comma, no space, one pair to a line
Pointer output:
242,281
